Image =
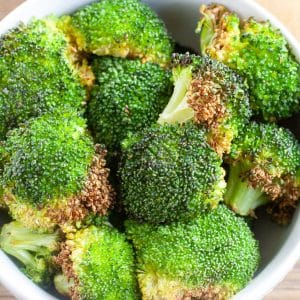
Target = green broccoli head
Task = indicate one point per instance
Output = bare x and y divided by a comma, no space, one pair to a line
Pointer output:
36,74
170,173
97,263
32,249
122,28
263,167
211,257
257,51
210,94
54,172
127,97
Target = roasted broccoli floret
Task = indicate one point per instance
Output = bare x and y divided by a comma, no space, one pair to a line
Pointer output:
170,173
122,28
208,93
257,51
97,263
283,208
128,96
54,173
263,165
211,257
33,249
37,74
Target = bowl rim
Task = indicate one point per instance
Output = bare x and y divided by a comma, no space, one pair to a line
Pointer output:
262,284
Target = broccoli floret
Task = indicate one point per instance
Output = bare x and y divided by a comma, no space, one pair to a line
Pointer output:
33,249
169,173
127,97
36,74
211,257
122,28
257,51
54,173
263,165
208,93
97,263
282,210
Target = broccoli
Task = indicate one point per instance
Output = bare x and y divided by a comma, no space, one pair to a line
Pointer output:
257,51
170,173
211,257
283,208
33,249
36,74
97,263
122,28
127,97
263,165
54,173
210,94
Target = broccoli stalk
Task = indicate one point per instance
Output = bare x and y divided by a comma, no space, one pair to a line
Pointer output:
210,94
63,284
178,110
33,249
241,196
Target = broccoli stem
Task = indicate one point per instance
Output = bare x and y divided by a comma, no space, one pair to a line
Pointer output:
206,28
240,196
178,110
32,249
63,285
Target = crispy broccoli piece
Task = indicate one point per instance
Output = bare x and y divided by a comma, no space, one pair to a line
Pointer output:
122,28
170,173
263,165
257,51
33,249
54,174
127,97
282,210
97,263
211,257
209,93
36,74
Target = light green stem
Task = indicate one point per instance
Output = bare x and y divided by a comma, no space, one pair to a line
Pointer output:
178,110
240,196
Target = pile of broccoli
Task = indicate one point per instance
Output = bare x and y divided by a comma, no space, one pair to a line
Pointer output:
130,171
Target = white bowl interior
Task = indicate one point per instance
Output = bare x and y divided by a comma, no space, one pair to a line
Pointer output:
280,247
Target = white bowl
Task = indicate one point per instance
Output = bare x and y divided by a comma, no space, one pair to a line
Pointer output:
280,246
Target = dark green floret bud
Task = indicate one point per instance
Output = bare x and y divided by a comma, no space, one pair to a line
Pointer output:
169,173
211,257
208,93
127,97
97,263
36,74
121,28
32,249
260,53
54,173
263,168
